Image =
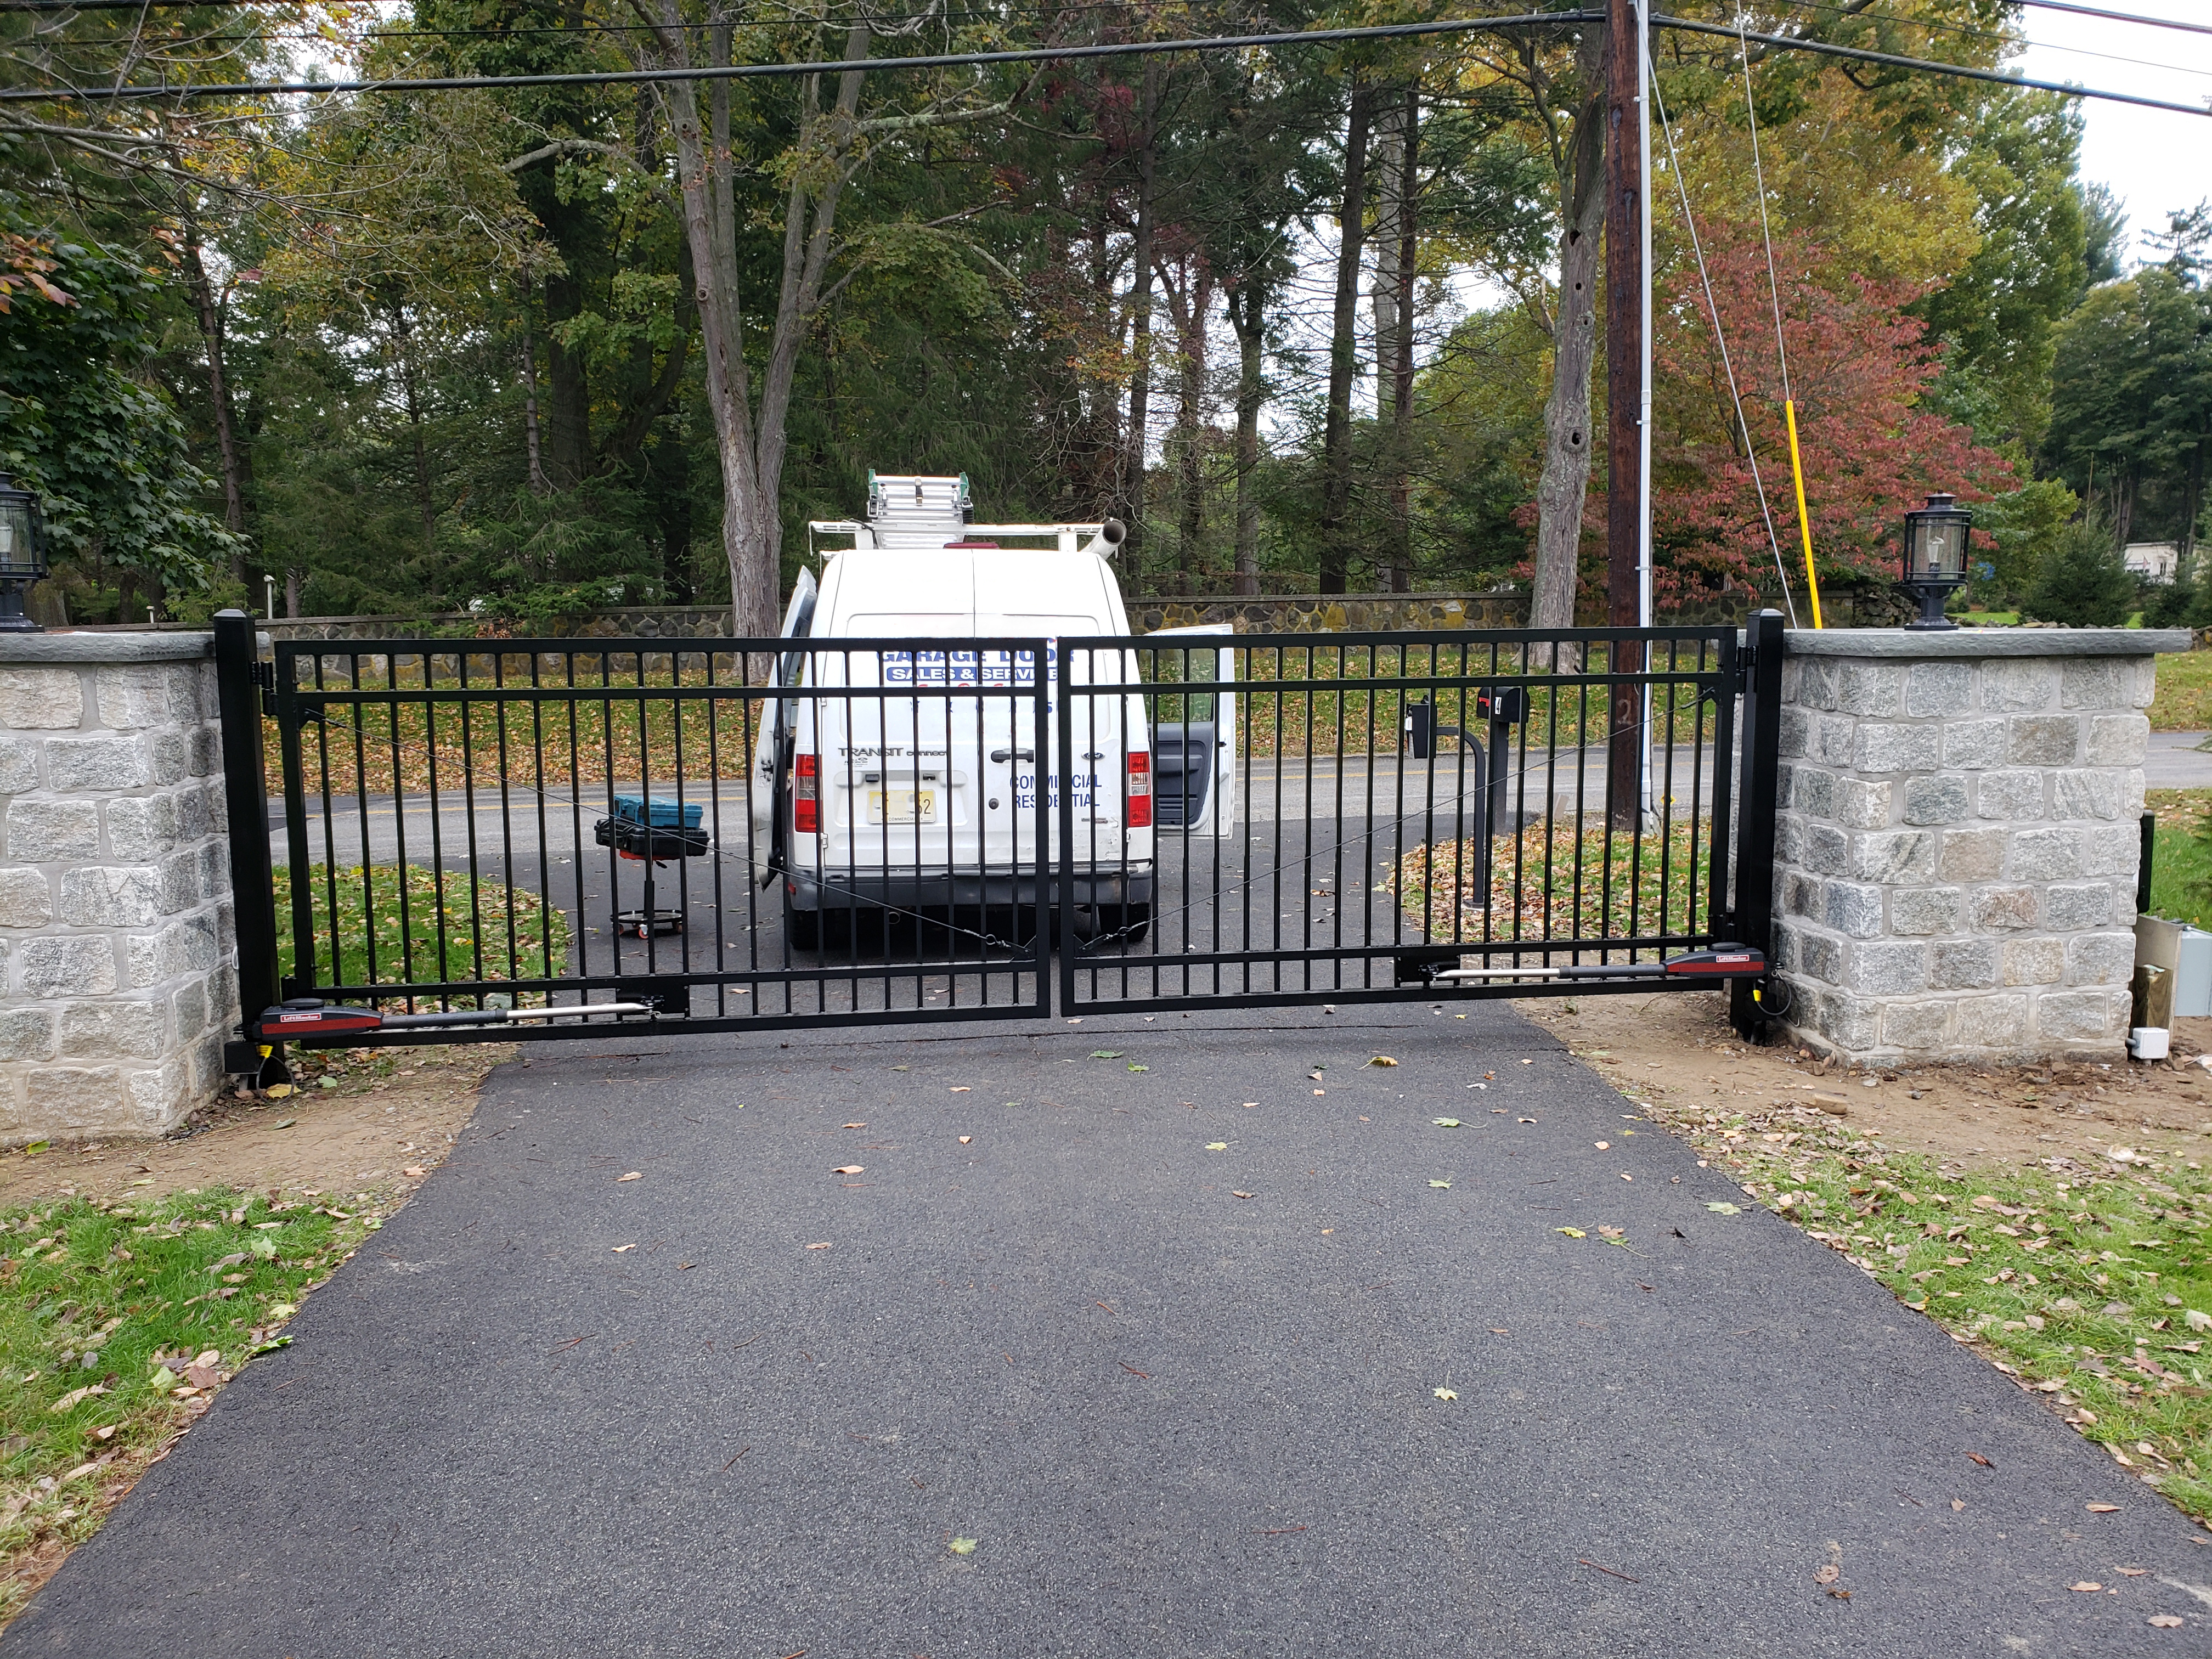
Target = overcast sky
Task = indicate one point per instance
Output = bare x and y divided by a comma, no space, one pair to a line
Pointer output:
2153,161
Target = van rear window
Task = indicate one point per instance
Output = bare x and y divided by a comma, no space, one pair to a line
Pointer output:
954,627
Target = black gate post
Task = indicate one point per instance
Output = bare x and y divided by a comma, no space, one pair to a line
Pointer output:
1755,811
238,686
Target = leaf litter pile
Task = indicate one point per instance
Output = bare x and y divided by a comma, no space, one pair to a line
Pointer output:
120,1321
2090,1287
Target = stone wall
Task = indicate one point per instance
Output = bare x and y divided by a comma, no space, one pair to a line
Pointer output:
1956,847
116,950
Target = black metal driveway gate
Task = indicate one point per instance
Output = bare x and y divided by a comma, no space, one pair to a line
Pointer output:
561,838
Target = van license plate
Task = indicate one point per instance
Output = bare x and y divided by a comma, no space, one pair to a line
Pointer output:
901,806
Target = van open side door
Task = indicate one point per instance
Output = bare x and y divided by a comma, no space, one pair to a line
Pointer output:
1195,730
779,722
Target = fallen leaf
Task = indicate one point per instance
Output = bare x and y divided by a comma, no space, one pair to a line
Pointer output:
2104,1509
1528,1119
286,1124
1106,1053
1724,1209
1958,1502
962,1090
1571,1232
1603,1145
962,1546
1217,1145
1983,1461
2164,1621
1445,1122
964,1140
1613,1232
2196,1321
414,1169
823,1246
1135,1067
2086,1587
856,1126
1445,1394
1840,1595
1381,1059
1445,1185
278,1090
635,1175
1828,1574
1238,1194
2133,1572
1499,1330
850,1169
619,1248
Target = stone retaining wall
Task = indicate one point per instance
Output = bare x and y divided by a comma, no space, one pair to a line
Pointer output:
116,949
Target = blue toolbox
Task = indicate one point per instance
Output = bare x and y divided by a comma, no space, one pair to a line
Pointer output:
656,829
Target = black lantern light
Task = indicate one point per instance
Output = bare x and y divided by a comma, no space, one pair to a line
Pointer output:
1936,556
22,555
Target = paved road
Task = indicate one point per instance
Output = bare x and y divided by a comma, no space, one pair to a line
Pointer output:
1178,1421
2176,762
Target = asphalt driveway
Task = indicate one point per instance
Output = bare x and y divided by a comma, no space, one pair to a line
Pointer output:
1170,1361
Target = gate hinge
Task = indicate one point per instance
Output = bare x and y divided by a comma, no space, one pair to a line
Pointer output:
265,676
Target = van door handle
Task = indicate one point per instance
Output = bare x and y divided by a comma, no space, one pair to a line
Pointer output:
1003,754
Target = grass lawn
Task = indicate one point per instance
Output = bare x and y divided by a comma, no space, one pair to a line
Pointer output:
1596,884
2092,1287
2184,702
2181,864
427,928
117,1321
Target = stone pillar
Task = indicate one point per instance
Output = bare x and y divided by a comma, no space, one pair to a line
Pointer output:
117,981
1957,844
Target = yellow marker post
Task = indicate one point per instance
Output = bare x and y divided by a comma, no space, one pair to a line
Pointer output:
1804,524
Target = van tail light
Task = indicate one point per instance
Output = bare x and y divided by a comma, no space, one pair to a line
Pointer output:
805,797
1140,790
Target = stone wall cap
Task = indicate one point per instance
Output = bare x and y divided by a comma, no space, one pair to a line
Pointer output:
59,646
1947,645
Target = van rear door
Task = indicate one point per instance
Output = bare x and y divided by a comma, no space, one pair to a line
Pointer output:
1194,731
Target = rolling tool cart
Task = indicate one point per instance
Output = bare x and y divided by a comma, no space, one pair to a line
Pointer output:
651,831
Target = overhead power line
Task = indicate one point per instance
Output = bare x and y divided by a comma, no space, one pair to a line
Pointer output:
1927,65
831,66
2119,17
1057,54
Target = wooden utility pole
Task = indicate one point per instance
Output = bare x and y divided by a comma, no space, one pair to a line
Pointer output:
1624,367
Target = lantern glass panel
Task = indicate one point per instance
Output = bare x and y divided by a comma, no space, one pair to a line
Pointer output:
19,537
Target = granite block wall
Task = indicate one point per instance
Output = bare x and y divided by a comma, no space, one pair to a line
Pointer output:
1957,840
116,952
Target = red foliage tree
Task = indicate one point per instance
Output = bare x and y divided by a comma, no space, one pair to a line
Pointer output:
1858,368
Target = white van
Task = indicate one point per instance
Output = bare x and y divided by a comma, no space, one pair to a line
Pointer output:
869,804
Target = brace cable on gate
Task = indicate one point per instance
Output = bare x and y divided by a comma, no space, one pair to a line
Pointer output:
1720,339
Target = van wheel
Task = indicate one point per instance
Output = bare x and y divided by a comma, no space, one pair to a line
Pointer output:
802,929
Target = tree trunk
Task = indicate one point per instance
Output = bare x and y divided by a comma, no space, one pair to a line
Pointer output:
1140,335
1190,395
291,593
538,486
1400,362
1565,482
210,310
1336,529
1248,315
413,402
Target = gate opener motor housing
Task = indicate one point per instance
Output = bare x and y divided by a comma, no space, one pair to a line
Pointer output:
310,1020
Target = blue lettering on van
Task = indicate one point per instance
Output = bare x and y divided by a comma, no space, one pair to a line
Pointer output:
966,667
